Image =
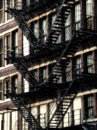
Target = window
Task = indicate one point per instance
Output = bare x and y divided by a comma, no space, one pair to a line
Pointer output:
42,74
34,111
26,46
14,121
8,47
7,121
89,13
7,15
78,65
1,91
44,30
26,3
77,16
15,84
67,29
36,29
1,52
77,105
26,85
36,74
89,63
43,118
53,17
24,124
7,86
89,109
51,20
52,107
68,72
1,11
13,3
15,41
1,120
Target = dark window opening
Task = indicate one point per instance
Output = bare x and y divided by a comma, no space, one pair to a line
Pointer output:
1,91
89,106
15,84
1,52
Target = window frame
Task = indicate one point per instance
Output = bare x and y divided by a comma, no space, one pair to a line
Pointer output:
1,52
78,65
7,87
2,12
89,14
14,85
77,15
15,41
1,90
7,48
89,106
44,29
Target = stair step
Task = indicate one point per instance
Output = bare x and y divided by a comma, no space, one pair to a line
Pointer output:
24,111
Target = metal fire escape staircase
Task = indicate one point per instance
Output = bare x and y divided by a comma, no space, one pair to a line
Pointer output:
20,65
21,20
22,17
60,20
66,100
25,111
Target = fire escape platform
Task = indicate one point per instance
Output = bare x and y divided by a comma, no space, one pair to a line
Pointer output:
41,5
76,127
46,91
36,8
43,91
50,53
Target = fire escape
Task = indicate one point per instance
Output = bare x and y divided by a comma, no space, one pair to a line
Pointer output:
61,53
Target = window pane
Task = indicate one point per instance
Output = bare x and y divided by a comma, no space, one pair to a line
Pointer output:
1,4
26,85
89,63
89,106
78,65
44,30
67,29
14,121
26,46
1,91
1,11
15,42
7,86
8,47
1,51
89,13
43,118
53,17
36,31
7,15
7,121
89,7
24,124
77,16
1,16
68,72
1,119
42,74
15,84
